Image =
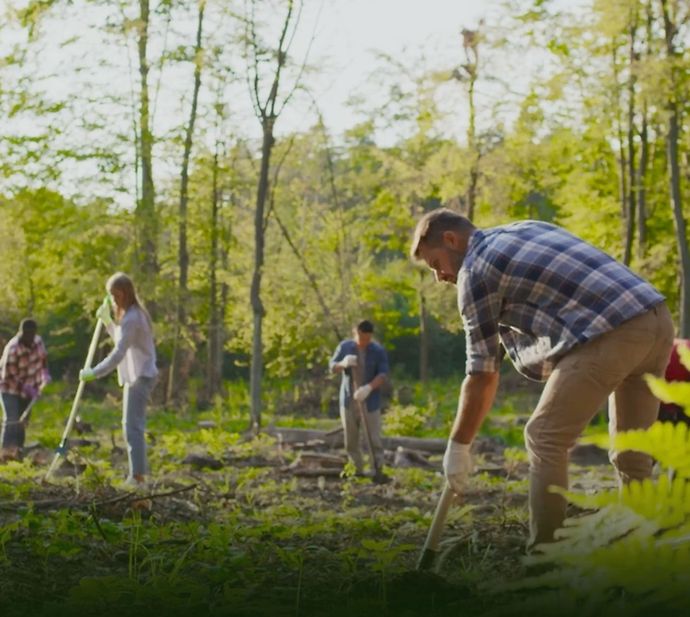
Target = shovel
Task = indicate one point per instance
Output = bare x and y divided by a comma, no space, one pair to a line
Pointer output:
24,418
63,447
379,476
430,550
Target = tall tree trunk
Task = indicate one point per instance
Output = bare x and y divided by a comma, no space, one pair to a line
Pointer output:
642,186
177,382
267,111
622,158
145,213
644,151
258,311
632,172
672,140
471,47
213,369
472,143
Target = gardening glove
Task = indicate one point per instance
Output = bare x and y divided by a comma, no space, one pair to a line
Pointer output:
457,465
103,312
362,392
87,374
29,391
349,361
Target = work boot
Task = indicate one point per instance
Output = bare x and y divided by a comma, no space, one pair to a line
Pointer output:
381,478
10,454
132,484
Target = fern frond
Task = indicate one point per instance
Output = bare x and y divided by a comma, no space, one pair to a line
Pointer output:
667,443
684,355
665,503
677,392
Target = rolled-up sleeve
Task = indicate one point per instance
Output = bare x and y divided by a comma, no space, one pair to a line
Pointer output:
479,304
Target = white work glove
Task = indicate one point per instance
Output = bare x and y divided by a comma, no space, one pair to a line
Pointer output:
362,392
87,374
349,361
457,465
103,312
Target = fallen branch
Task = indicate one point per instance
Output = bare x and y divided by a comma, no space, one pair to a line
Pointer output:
334,439
83,503
139,496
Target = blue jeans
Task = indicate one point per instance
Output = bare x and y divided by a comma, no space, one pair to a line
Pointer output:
13,406
134,399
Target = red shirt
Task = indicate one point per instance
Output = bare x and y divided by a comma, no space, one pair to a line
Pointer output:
21,366
675,371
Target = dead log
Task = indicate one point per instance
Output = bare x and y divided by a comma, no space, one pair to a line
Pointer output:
304,436
201,461
318,459
334,439
316,472
430,446
405,457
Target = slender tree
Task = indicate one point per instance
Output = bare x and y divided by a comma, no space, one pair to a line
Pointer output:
267,109
673,138
146,219
469,75
177,382
631,197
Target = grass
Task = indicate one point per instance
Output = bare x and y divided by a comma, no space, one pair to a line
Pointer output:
249,539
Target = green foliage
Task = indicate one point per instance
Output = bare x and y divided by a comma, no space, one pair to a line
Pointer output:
637,541
404,420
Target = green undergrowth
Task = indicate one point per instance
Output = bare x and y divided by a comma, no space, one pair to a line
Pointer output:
630,551
251,538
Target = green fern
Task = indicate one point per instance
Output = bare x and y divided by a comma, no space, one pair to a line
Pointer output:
637,542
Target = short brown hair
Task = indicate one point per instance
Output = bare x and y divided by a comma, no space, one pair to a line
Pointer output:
430,228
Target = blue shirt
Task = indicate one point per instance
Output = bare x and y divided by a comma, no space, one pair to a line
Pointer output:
539,291
376,363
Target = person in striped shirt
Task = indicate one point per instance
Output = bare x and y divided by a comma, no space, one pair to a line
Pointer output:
565,313
23,375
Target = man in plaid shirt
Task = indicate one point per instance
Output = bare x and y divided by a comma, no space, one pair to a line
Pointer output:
566,313
23,375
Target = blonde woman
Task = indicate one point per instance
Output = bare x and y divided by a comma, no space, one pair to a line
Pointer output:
134,356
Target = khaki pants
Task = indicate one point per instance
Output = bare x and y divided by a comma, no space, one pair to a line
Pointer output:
612,364
351,429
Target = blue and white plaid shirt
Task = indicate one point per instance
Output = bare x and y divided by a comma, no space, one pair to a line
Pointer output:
539,291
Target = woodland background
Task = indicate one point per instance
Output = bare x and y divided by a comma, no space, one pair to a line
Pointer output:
146,136
186,142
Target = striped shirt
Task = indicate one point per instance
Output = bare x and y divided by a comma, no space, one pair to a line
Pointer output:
539,291
22,366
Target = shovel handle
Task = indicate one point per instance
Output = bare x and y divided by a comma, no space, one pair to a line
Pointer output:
363,419
430,549
62,448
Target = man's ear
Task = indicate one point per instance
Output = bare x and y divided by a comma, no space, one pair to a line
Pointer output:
451,239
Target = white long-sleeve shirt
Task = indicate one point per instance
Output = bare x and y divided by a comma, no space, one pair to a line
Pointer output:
134,353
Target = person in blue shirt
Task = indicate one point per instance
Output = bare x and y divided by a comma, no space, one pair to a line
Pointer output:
364,366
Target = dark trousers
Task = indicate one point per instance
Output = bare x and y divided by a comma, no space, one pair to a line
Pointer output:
13,406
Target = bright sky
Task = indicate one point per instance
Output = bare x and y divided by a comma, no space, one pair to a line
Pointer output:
423,35
350,32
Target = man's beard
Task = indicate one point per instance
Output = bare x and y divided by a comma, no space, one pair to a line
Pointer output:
457,258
